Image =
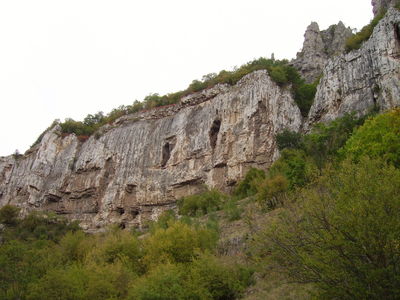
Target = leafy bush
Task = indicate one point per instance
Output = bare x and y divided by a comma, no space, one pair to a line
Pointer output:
83,282
42,226
201,204
304,94
179,243
206,278
378,137
74,247
166,219
115,246
165,282
216,280
232,210
272,191
343,233
45,257
9,215
325,140
295,166
355,41
289,139
247,187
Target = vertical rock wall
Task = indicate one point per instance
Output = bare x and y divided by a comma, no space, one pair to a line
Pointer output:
132,170
362,79
318,48
140,166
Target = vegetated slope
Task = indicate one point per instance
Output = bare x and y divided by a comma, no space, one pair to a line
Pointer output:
324,220
135,169
141,164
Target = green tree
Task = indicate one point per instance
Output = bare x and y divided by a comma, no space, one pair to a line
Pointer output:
201,204
9,215
247,186
378,137
165,282
295,166
325,140
179,243
289,139
343,234
272,191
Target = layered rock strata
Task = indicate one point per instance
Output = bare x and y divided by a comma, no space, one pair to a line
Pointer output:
131,171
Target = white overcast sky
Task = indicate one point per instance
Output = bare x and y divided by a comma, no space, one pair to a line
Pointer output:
62,59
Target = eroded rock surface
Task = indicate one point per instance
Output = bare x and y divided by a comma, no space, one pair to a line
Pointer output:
381,5
318,47
134,169
129,172
362,79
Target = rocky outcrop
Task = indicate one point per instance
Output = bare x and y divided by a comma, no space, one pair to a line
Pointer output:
364,78
318,47
132,170
382,5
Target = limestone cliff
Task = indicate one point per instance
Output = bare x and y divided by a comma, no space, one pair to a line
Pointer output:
364,78
131,170
382,5
141,165
318,47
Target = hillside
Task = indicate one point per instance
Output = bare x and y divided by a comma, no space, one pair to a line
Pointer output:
136,166
322,223
277,180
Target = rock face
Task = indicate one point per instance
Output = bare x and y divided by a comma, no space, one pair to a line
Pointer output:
140,166
132,170
362,79
381,5
318,47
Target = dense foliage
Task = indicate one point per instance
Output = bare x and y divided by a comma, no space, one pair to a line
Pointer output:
325,139
379,137
334,227
343,234
341,231
45,257
202,203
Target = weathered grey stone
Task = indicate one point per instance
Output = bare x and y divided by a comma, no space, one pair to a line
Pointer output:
381,5
133,170
318,47
137,167
364,78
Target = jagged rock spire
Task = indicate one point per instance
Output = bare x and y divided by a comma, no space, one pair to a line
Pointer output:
318,47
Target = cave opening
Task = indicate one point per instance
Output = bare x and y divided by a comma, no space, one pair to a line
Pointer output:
397,32
166,153
214,130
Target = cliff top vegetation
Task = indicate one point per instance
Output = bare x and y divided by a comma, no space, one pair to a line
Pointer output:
279,70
